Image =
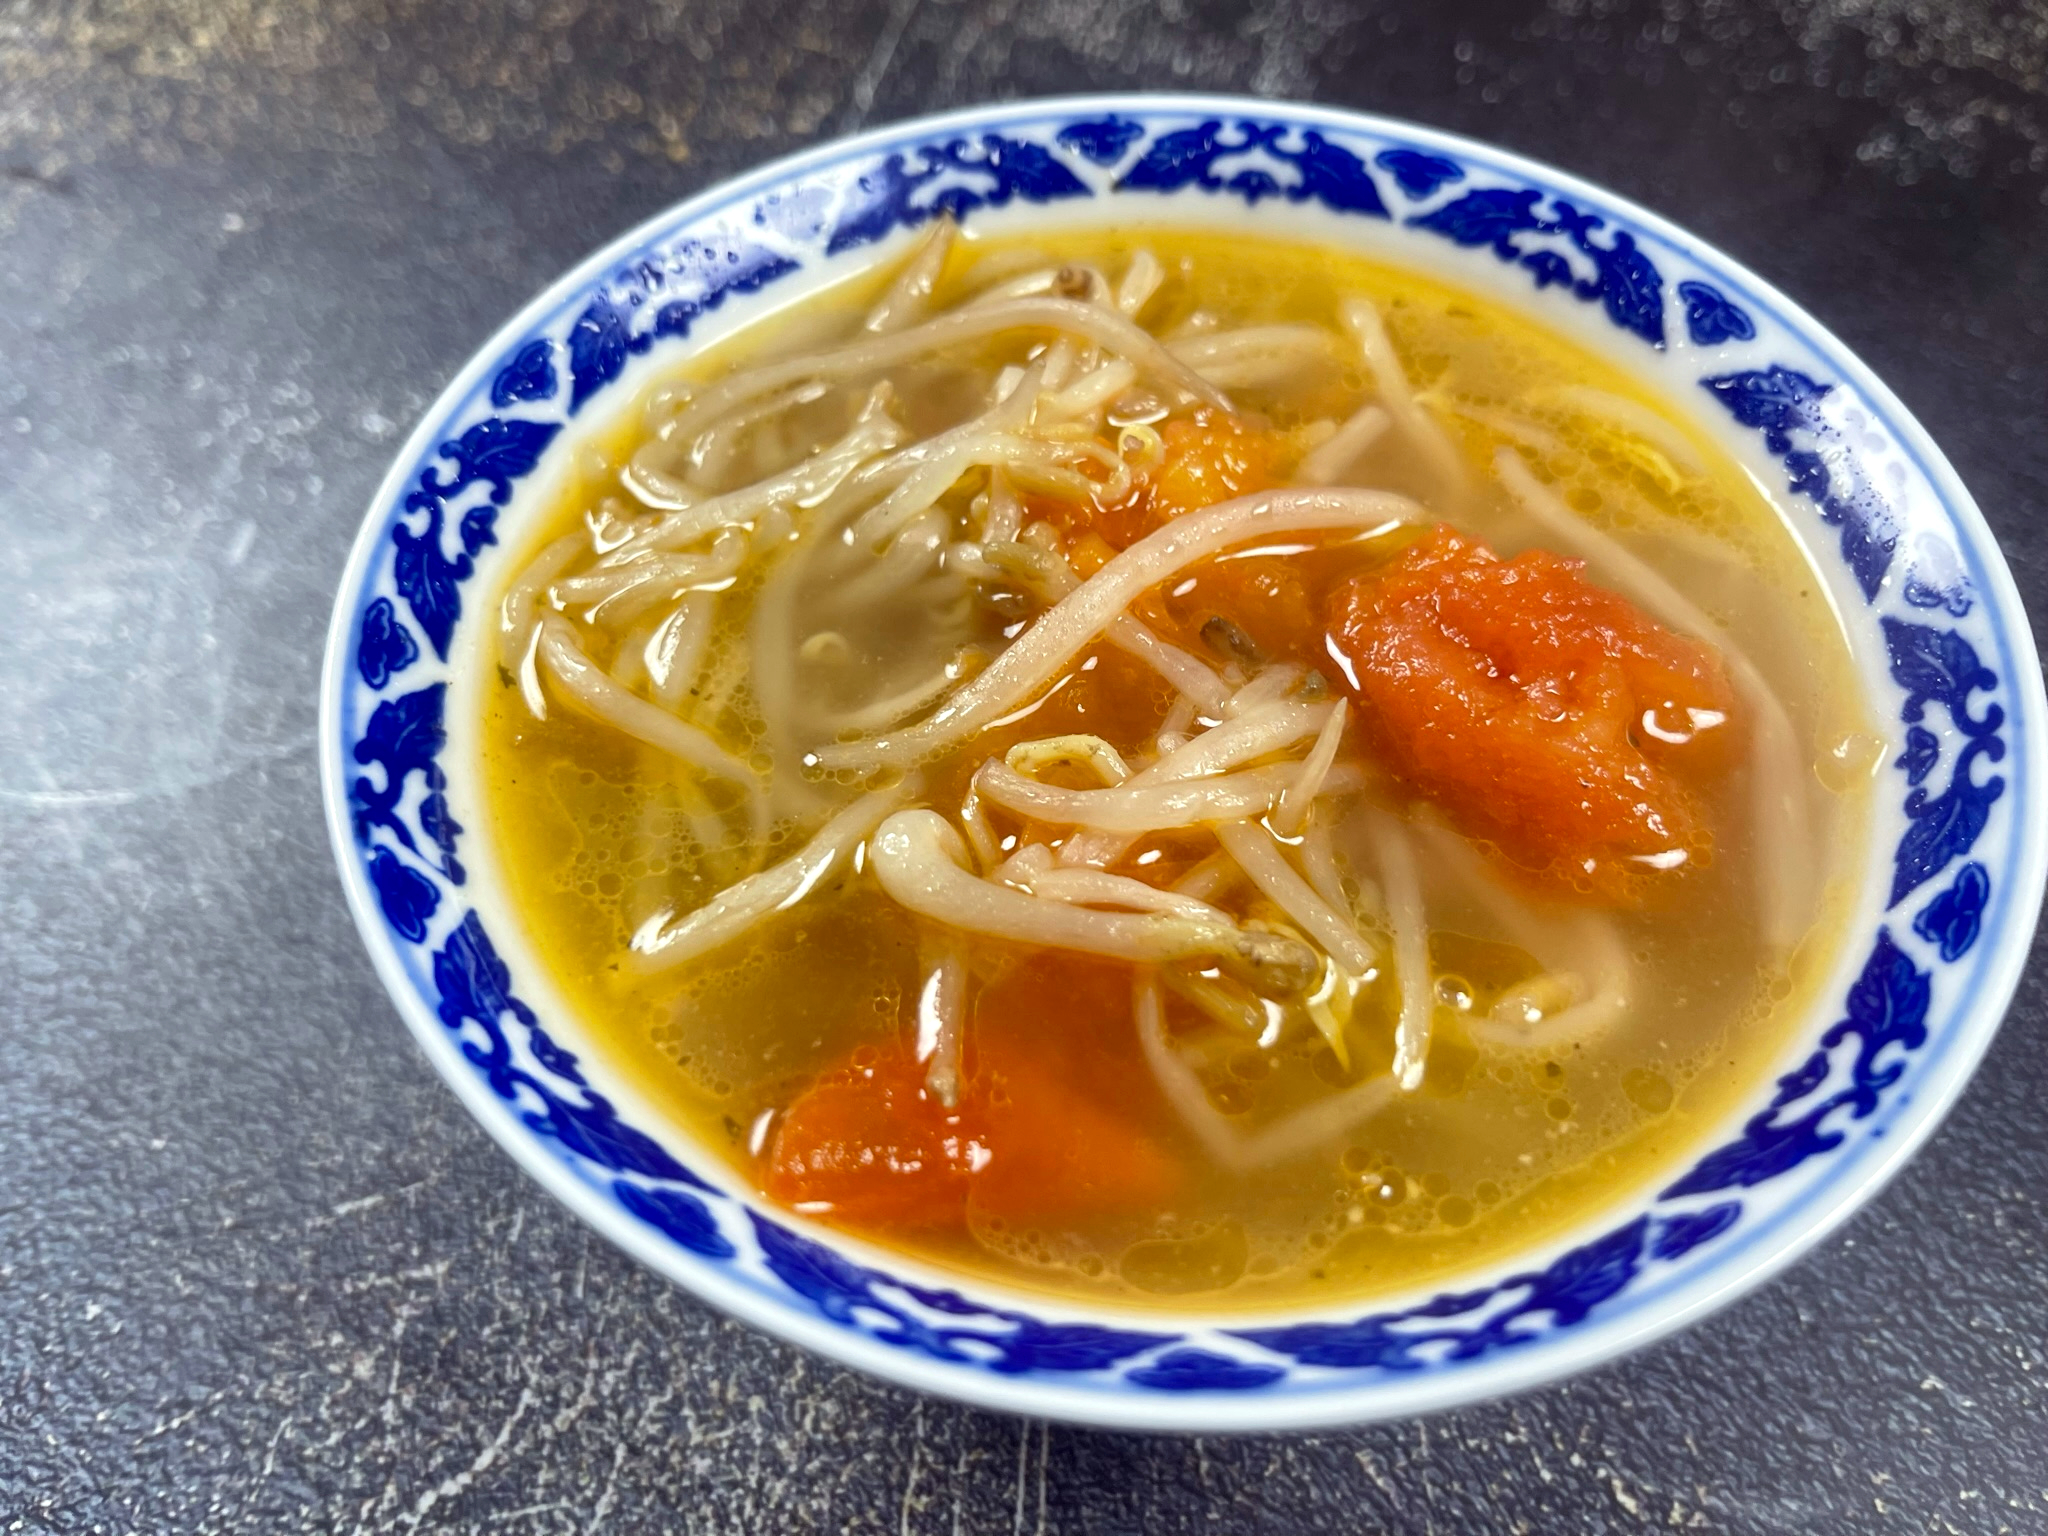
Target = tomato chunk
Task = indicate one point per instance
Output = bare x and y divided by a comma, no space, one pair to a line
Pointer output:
1209,457
1541,712
1029,1141
1270,600
1049,1040
867,1144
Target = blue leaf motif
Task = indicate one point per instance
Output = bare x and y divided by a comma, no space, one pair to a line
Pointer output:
1577,1283
1935,578
839,1288
743,271
598,347
1776,401
885,198
1784,405
1806,474
1711,317
1923,751
1549,268
680,1216
386,647
1938,666
1202,1370
1679,1235
1951,920
1186,158
407,896
879,202
427,579
475,987
1489,216
1018,168
1328,173
943,1300
1944,828
1566,1292
1102,140
404,737
1037,1346
1868,539
1628,286
593,1129
495,452
1887,1008
1418,174
1625,280
529,376
832,1283
405,732
1331,175
1370,1343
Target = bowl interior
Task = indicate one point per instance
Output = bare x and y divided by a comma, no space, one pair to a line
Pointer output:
1945,658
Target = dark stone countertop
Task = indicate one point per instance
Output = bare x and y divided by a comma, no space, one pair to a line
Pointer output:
259,1272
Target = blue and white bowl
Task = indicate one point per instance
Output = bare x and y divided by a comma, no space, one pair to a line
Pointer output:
1938,935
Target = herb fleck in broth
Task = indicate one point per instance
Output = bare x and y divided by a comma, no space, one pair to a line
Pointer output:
1225,1126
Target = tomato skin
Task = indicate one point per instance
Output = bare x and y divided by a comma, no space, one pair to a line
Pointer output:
1270,599
1052,1041
872,1148
1030,1141
1520,698
1209,457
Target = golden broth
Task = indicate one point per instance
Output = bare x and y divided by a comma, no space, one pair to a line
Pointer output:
1498,1149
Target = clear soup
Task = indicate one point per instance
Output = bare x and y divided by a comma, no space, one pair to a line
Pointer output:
1373,893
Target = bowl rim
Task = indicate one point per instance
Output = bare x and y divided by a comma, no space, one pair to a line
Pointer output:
1567,1352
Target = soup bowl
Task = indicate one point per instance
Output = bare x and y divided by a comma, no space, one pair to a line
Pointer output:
1937,931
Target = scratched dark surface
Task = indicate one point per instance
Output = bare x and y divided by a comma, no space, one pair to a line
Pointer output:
259,1273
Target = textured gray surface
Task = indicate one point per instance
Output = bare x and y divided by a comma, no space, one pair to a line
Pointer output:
258,1273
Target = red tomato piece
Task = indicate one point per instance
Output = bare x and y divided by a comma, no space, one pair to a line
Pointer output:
1032,1139
867,1145
1541,712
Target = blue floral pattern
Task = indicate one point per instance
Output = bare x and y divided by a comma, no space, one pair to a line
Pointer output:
1787,407
1939,666
1418,174
1314,170
906,190
1102,140
1887,1011
1951,920
1507,220
529,376
1012,1343
1711,317
1940,642
386,647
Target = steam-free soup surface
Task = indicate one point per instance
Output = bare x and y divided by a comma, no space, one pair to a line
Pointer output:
895,873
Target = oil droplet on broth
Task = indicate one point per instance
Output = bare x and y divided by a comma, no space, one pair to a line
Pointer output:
1183,1266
